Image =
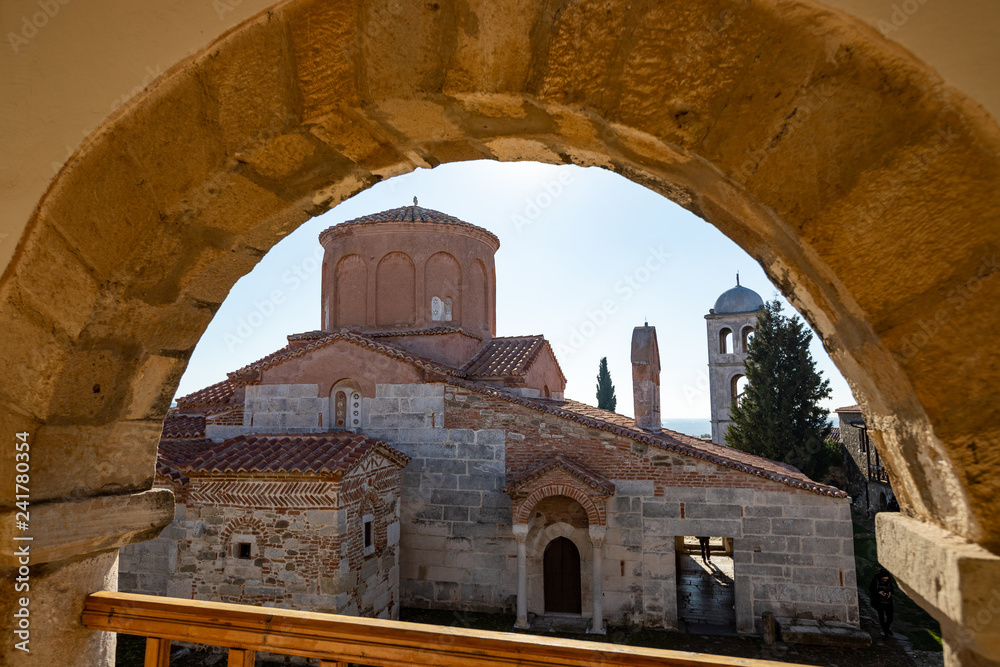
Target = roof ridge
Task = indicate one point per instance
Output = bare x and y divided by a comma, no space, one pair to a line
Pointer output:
288,352
649,438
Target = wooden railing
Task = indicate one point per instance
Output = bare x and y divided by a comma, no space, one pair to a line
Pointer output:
340,640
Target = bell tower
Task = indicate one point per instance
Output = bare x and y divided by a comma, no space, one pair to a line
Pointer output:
730,327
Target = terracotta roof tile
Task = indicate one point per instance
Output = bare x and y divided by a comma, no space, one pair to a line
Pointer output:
215,396
849,408
510,356
405,214
171,454
250,373
428,331
670,440
593,479
177,426
330,453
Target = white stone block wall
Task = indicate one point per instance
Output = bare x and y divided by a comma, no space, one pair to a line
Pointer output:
457,548
282,408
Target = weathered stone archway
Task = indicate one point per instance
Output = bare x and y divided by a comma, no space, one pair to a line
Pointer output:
864,185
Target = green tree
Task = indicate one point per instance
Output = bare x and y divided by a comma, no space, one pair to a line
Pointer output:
606,399
778,416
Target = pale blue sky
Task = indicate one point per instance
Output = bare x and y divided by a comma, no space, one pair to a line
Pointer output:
585,255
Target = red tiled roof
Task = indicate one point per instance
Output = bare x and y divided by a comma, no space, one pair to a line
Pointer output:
404,214
510,356
687,445
215,396
599,482
428,331
249,373
171,454
332,453
183,426
849,408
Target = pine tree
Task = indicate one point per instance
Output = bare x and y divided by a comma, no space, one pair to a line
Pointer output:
606,399
778,416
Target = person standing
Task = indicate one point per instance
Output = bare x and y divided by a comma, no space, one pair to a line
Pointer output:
881,589
706,549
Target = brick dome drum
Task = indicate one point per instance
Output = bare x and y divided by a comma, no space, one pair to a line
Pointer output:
409,268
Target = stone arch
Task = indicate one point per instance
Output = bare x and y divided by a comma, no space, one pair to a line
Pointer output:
350,292
734,388
791,130
596,514
395,285
726,341
745,333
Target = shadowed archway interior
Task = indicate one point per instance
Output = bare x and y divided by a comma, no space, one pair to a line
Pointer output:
863,184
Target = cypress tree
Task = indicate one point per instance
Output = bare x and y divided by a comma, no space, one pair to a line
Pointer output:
606,399
778,416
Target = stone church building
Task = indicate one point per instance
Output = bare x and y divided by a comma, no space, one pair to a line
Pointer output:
403,455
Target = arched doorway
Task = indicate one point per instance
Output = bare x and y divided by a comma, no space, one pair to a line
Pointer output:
562,577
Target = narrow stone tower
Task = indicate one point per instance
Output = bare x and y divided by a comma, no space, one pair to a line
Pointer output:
730,324
646,378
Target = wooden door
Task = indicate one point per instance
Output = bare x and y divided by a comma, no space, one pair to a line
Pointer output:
562,577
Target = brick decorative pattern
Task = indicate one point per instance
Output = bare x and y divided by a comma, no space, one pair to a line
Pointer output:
305,539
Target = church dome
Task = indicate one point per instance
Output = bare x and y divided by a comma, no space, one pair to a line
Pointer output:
738,300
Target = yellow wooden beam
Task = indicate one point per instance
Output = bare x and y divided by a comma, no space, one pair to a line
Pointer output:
157,652
380,643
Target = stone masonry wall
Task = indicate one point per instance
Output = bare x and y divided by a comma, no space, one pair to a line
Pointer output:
457,548
306,544
794,553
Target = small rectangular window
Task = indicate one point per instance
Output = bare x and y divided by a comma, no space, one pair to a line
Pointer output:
243,550
368,534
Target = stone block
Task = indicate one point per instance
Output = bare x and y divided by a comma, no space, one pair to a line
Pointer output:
437,450
827,546
475,530
712,510
629,520
397,421
796,592
766,558
450,466
392,533
837,595
497,499
453,513
311,405
490,515
302,390
462,436
628,487
756,526
321,517
491,436
816,576
438,481
481,452
755,511
383,406
480,482
823,633
425,404
670,510
799,527
834,528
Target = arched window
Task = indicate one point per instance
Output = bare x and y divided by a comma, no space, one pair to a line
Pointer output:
746,336
441,309
725,341
345,408
737,387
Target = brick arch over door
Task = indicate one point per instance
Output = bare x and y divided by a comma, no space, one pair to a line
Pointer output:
796,130
595,506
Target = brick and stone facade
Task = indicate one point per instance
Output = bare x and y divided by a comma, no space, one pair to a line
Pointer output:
488,471
867,479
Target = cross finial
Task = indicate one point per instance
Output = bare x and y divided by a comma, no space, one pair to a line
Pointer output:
414,201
